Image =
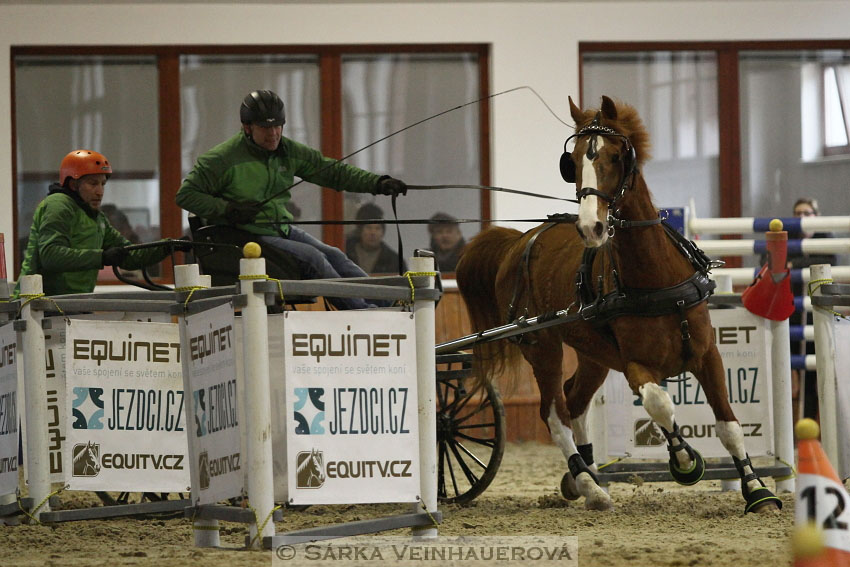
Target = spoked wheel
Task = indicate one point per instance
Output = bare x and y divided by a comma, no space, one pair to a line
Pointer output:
470,431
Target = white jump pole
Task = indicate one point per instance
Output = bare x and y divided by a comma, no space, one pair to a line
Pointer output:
783,417
35,392
206,531
255,345
426,371
825,355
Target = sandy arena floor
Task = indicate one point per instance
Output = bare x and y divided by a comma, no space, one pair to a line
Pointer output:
652,525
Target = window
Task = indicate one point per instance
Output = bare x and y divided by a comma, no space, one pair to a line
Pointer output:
153,109
675,93
383,94
836,109
740,127
105,103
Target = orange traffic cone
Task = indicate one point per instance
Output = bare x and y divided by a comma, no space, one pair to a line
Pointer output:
822,508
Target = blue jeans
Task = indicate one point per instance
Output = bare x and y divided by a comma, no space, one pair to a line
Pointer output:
320,261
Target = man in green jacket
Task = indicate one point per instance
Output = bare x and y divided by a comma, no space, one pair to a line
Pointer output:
70,238
245,182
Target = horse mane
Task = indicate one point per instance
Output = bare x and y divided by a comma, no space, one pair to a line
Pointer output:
626,121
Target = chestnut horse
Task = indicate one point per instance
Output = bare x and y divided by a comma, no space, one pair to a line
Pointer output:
666,329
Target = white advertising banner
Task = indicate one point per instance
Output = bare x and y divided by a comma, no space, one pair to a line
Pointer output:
842,378
124,404
54,343
352,425
8,410
743,340
212,408
54,365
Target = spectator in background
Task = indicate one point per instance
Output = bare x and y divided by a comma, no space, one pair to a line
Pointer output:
366,246
447,241
808,385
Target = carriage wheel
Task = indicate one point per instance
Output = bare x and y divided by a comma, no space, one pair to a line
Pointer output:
470,436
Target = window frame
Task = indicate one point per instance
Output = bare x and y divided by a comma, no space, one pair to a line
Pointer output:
169,123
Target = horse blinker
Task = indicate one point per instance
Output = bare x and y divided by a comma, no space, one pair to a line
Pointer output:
568,167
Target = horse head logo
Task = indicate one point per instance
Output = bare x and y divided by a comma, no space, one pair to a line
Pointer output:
648,434
86,459
310,469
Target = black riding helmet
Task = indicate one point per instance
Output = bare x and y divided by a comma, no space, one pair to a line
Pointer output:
263,108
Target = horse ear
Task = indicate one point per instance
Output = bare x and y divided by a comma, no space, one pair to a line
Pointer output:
575,112
609,109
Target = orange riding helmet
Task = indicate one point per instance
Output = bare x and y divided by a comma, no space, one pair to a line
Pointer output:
83,162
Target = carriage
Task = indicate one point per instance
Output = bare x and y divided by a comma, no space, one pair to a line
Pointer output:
638,307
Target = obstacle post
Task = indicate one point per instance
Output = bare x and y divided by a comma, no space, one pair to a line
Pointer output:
35,392
426,371
783,420
255,346
825,356
780,353
206,531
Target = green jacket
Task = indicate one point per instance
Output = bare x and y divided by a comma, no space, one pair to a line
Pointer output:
66,243
239,170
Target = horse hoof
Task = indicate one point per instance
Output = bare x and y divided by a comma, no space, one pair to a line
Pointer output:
691,476
601,502
569,488
762,501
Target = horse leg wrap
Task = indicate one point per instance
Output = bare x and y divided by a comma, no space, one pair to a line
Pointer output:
676,443
586,452
577,466
758,497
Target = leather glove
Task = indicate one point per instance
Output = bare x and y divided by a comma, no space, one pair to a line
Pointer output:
182,244
242,213
114,256
390,186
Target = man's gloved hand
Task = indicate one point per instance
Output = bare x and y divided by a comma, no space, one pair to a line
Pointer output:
114,256
390,186
182,244
242,213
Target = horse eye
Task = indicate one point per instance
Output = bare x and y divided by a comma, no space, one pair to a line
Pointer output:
615,158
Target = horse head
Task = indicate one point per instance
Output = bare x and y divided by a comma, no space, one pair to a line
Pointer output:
610,144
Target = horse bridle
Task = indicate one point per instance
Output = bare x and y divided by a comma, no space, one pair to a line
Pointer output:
595,129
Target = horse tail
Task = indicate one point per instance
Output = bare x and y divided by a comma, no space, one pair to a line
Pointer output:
476,279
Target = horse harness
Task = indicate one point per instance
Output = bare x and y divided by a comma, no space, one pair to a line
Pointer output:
599,308
595,306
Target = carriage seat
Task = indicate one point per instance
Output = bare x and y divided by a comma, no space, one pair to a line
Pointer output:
222,264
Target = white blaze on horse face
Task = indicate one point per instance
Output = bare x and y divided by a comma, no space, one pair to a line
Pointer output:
593,227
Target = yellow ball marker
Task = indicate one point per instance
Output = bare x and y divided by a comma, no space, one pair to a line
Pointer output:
251,250
807,541
807,428
775,225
